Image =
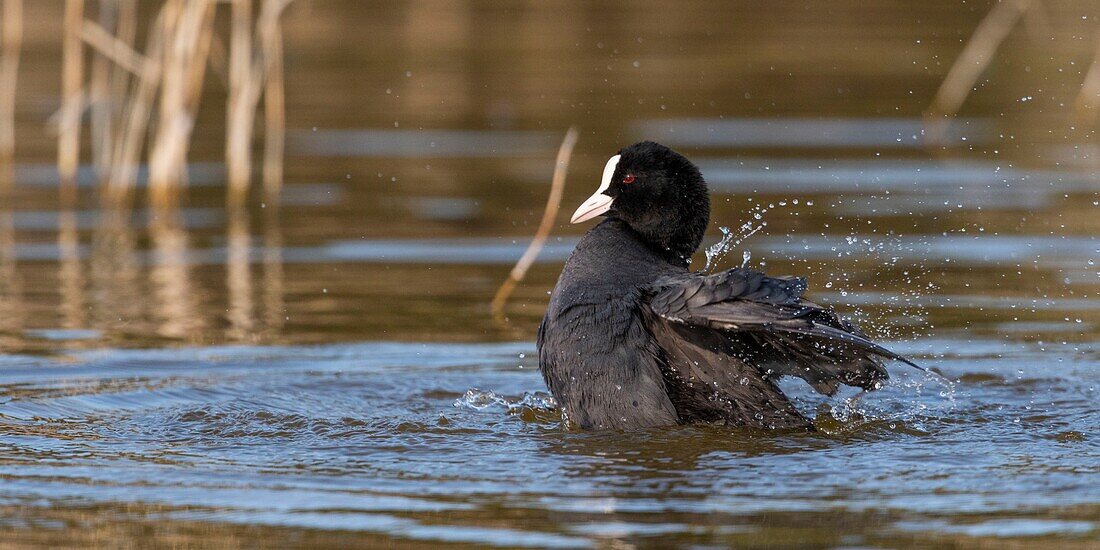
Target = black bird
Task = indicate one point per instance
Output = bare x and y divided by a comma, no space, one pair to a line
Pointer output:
633,339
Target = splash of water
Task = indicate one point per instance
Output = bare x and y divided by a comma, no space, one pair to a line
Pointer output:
718,249
480,400
913,398
731,240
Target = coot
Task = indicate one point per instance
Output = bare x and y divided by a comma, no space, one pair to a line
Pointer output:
632,339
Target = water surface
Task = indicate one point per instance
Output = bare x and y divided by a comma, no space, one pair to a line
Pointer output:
325,370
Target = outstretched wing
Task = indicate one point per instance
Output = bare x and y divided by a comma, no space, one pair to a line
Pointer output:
768,325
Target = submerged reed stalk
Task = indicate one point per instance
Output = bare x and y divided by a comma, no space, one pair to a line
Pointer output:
553,204
976,56
125,34
1089,97
978,53
11,41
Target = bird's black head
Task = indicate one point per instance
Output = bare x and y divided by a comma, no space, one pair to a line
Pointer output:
659,193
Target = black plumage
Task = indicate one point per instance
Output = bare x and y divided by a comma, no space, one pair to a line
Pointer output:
632,339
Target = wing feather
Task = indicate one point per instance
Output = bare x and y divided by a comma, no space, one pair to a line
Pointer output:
766,320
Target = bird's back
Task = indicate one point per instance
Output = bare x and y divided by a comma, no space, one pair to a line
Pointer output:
595,352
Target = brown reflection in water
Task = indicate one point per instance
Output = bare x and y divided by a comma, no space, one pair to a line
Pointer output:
70,271
663,455
11,292
116,292
273,294
238,281
176,303
153,525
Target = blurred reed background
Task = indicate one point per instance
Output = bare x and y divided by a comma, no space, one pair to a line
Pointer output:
123,85
133,77
439,119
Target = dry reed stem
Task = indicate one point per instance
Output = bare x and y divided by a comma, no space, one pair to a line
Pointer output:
184,64
117,51
247,96
114,61
170,102
111,48
125,33
219,60
553,204
139,106
1037,23
11,41
971,63
976,56
238,137
72,74
1089,96
195,78
274,116
197,70
99,87
169,77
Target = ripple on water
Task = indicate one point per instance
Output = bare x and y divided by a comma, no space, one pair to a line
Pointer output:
396,439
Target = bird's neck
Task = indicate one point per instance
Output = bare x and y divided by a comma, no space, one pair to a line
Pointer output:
673,242
676,235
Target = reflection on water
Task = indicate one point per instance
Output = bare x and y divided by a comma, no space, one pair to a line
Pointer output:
175,300
422,144
116,289
239,277
963,179
11,309
323,368
876,133
70,272
189,432
272,286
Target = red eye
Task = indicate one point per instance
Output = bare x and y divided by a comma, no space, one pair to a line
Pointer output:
629,178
